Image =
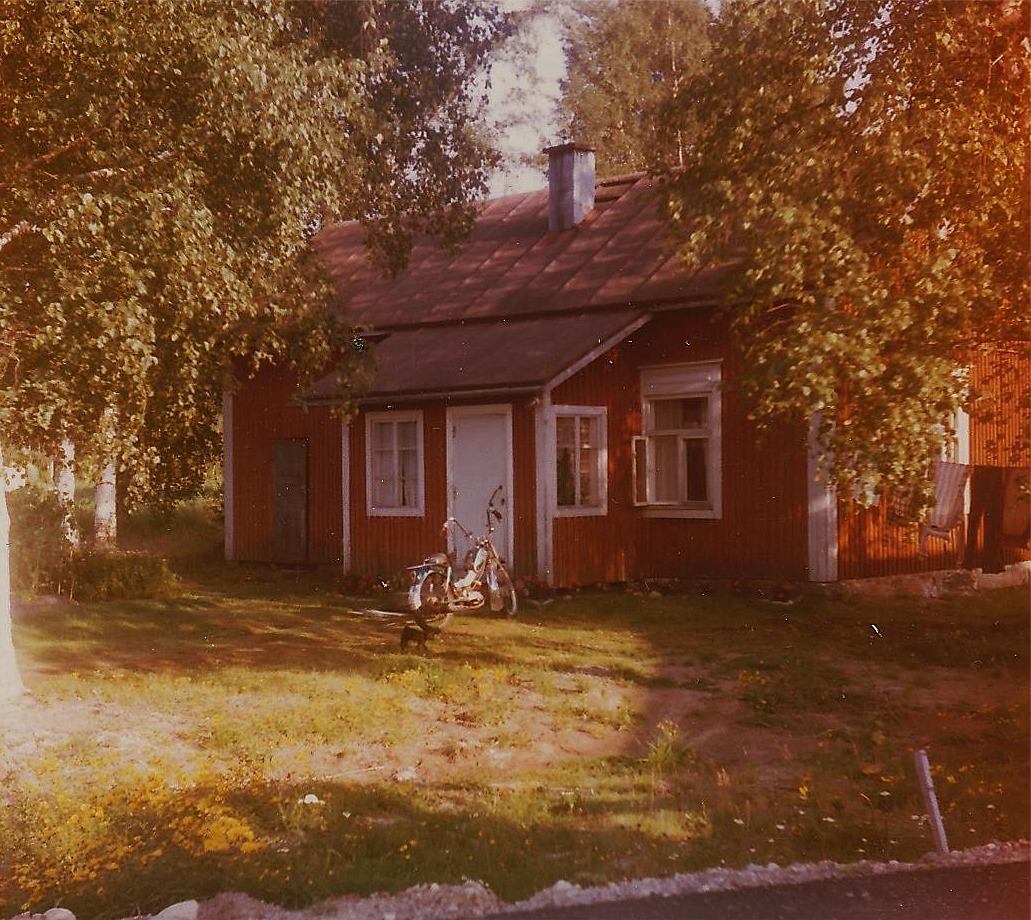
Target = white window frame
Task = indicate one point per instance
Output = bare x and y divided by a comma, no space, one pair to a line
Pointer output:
601,460
681,381
395,417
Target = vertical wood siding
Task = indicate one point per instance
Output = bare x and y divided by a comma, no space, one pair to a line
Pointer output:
380,545
762,530
1000,420
263,410
870,545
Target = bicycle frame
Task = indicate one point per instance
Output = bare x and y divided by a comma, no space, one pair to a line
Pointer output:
436,587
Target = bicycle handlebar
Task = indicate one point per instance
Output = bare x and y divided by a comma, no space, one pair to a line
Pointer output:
490,527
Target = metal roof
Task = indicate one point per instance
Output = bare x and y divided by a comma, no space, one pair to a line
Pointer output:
516,304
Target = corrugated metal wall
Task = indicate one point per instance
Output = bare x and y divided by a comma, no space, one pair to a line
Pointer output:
263,410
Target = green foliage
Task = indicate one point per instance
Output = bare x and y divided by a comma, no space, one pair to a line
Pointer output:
106,575
190,533
666,751
166,165
867,162
625,63
40,555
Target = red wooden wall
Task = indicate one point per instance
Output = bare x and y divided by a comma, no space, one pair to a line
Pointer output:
524,486
762,531
870,545
382,546
263,409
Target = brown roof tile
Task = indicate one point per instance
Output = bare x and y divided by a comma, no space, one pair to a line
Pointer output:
516,306
513,266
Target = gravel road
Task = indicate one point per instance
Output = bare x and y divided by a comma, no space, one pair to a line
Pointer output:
994,892
984,883
992,882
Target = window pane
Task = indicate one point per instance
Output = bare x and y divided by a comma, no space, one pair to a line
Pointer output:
578,453
383,435
565,428
588,461
696,476
681,435
406,434
666,450
383,479
588,431
673,414
409,484
395,457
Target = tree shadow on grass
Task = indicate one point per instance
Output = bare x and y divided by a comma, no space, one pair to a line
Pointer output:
191,634
296,844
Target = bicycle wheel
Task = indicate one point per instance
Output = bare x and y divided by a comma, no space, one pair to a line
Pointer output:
507,592
430,596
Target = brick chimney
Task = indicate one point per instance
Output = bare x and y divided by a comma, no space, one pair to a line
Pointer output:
570,185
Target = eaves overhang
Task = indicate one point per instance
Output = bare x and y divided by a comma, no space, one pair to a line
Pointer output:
506,358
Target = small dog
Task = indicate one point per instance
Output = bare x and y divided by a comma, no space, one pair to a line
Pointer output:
414,634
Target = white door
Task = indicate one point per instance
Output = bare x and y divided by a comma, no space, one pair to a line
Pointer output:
480,460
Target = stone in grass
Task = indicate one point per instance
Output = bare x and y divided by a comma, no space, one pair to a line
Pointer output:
183,910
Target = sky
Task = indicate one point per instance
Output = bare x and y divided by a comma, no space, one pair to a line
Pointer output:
527,91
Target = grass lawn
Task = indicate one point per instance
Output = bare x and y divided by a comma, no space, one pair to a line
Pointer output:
255,733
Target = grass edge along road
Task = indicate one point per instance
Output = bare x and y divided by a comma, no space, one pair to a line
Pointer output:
253,734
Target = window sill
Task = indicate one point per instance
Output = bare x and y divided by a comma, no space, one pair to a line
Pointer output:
395,512
581,511
678,511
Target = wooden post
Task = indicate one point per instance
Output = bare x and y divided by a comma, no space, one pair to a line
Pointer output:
923,772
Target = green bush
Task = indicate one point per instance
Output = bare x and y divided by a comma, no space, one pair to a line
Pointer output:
40,555
104,575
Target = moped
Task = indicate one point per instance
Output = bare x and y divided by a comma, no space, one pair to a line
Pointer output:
437,587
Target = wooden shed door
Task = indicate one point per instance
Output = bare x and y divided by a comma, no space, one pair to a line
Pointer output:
290,500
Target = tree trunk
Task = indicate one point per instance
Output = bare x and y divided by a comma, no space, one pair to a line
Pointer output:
105,517
66,492
11,685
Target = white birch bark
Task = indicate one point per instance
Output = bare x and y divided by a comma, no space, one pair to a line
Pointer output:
105,515
66,491
11,685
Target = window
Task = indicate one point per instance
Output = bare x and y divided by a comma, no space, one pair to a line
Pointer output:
580,459
677,458
394,462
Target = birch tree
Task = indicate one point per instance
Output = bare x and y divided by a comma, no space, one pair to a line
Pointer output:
626,63
165,164
867,160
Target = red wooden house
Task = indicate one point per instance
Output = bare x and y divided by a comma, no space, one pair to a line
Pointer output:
564,355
